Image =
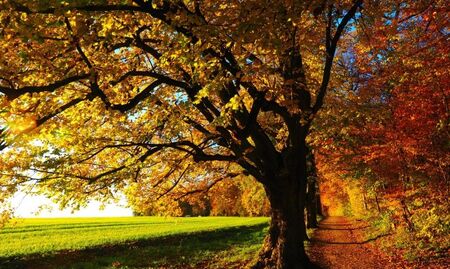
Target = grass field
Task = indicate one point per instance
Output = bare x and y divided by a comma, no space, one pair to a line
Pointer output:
134,241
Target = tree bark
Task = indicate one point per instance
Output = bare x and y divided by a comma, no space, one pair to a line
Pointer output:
311,193
378,203
319,205
311,204
365,201
283,246
407,215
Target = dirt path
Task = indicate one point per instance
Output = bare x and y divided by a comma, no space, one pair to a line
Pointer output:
340,243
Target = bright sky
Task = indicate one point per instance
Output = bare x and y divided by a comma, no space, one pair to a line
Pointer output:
26,207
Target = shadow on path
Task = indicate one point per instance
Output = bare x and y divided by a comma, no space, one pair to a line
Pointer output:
350,243
339,243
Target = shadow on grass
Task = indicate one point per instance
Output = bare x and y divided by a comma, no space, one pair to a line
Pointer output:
231,247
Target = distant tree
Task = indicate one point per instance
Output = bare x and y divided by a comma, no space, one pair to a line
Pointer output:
238,197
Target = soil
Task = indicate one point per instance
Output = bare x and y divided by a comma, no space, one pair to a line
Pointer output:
340,243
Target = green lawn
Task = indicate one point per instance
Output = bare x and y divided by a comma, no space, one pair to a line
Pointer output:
130,242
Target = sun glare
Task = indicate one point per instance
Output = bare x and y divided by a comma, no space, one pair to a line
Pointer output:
22,124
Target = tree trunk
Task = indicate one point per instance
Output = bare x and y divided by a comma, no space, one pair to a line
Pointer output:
319,205
283,246
378,203
407,215
311,204
365,201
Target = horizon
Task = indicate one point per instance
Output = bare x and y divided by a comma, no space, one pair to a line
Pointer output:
39,206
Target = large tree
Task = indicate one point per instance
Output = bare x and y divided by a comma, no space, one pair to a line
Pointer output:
154,94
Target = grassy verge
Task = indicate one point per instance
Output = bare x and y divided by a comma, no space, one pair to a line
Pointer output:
215,243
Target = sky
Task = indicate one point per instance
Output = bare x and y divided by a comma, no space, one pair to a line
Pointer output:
27,206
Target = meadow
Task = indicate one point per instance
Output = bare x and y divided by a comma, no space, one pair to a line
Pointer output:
44,236
129,242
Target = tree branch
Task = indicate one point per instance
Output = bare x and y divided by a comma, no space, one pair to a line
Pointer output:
60,110
3,144
91,8
331,50
165,79
12,93
175,183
